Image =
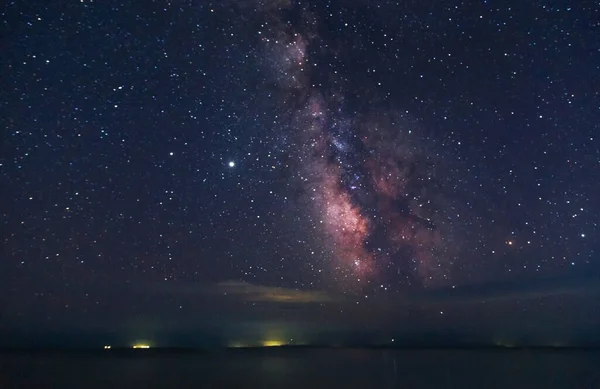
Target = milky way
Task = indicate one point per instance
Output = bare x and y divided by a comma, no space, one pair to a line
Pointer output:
372,188
343,166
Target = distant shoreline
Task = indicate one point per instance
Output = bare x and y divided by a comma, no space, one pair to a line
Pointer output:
212,350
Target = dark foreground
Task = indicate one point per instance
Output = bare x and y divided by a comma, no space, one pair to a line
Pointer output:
305,368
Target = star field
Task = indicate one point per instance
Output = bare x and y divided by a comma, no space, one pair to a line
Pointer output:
355,148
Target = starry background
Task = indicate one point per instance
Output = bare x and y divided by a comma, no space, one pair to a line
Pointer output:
183,166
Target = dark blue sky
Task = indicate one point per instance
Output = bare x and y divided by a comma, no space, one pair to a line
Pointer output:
382,168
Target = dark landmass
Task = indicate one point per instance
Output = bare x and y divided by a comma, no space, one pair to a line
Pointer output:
129,351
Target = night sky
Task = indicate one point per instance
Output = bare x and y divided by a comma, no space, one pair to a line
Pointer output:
277,170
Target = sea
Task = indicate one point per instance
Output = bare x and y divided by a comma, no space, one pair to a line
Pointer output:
305,368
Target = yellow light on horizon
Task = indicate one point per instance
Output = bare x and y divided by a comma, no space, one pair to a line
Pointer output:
141,346
107,347
273,343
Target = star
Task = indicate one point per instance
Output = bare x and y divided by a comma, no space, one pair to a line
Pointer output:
374,153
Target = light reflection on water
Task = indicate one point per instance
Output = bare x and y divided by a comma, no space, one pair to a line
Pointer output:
307,368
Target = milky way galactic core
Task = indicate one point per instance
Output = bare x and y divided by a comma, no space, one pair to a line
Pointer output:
375,188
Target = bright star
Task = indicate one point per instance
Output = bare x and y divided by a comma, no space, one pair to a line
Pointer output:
231,164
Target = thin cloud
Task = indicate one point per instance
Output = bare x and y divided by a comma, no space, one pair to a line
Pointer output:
535,289
260,293
239,291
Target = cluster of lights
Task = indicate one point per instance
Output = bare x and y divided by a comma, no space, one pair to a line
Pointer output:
135,346
273,343
264,343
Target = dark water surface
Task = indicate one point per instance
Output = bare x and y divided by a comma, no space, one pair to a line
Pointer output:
306,368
